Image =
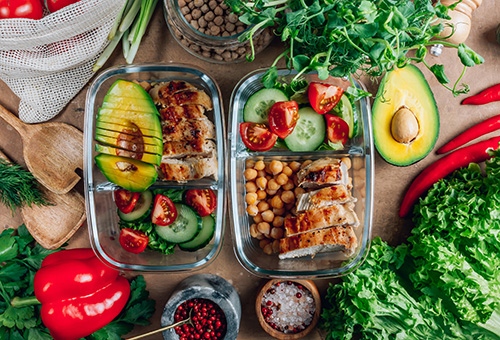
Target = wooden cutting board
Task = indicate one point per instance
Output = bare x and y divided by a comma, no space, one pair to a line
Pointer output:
51,226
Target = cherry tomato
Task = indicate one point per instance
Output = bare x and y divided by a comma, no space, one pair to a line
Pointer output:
30,9
126,200
337,129
324,97
164,211
133,241
203,201
55,5
257,137
283,117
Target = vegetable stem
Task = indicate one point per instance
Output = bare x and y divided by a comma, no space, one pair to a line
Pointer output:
19,302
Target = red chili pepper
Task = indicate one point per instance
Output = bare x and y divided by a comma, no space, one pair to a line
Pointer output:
491,94
486,126
444,166
79,294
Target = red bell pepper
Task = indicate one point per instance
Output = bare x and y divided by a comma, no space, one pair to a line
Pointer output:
79,294
444,166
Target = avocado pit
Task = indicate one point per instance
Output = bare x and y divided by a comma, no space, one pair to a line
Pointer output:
404,126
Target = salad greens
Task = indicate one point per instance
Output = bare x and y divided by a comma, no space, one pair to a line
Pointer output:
20,258
339,38
443,284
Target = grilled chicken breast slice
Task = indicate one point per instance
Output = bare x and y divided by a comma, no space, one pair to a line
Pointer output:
189,168
340,214
163,97
188,130
179,149
164,89
340,238
325,197
323,172
175,114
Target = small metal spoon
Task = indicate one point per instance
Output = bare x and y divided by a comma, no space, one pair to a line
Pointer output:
180,323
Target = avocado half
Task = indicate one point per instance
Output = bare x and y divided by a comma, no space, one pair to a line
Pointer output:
405,117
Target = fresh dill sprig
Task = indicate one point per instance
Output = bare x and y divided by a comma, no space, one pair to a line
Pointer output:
18,187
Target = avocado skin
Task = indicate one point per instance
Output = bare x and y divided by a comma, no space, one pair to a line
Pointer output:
405,86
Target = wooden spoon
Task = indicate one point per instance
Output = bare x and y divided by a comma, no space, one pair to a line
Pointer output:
52,151
52,225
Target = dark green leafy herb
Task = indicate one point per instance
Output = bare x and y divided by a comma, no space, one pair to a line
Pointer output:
20,258
18,187
339,38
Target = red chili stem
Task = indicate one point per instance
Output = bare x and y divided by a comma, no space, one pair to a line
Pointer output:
491,94
444,166
478,130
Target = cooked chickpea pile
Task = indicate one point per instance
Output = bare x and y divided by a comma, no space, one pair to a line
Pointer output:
271,190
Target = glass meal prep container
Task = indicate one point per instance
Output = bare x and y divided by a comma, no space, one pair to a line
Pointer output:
102,217
358,149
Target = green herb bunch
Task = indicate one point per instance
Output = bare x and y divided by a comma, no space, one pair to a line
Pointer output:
339,38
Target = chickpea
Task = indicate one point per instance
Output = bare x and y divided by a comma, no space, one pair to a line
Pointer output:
287,171
289,207
249,163
263,206
268,249
251,198
347,162
267,216
271,192
279,212
272,184
261,195
282,179
261,183
251,187
295,166
275,167
297,191
277,233
260,236
278,221
288,185
252,210
276,246
259,165
264,228
261,173
305,163
253,230
257,218
250,174
264,242
288,197
276,202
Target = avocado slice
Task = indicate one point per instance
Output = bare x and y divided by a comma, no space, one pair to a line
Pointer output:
125,88
130,174
145,157
405,117
133,133
128,103
128,128
131,143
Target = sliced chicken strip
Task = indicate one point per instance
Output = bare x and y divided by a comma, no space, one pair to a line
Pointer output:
340,238
175,114
325,197
188,97
198,148
169,88
323,172
188,130
186,169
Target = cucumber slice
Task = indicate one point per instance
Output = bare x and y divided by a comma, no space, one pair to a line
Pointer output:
345,111
309,133
203,238
185,227
141,207
258,105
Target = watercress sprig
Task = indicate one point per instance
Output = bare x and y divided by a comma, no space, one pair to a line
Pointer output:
339,38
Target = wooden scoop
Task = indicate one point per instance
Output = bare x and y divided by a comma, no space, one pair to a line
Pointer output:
52,151
52,225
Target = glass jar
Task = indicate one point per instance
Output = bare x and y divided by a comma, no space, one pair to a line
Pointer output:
208,30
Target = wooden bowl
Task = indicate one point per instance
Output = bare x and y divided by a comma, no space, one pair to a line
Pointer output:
310,286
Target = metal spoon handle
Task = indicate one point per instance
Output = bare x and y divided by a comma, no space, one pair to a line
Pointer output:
180,323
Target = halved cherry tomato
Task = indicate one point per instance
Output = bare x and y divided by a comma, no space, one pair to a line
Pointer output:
203,201
55,5
283,117
337,129
164,211
257,137
30,9
324,97
133,241
126,200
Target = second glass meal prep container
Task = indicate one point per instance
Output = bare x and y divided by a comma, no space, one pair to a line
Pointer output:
102,217
359,149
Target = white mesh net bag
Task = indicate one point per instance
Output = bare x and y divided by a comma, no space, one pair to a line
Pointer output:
47,62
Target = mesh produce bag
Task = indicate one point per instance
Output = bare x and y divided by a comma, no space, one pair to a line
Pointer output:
47,62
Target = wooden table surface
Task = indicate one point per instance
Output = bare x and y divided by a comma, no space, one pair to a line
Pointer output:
390,181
